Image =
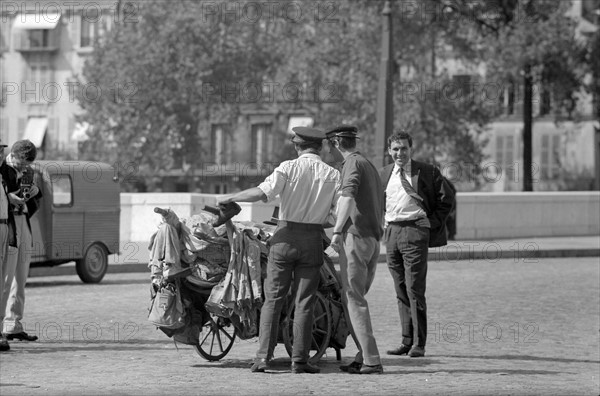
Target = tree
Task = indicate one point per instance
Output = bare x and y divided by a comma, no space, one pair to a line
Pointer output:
532,41
166,72
346,54
165,75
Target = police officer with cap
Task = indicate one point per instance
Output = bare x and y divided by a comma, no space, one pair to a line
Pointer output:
309,190
356,236
303,135
343,131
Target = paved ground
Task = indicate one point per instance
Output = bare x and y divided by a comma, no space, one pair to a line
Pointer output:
134,255
503,327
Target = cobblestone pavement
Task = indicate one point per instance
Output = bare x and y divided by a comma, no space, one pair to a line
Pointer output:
503,327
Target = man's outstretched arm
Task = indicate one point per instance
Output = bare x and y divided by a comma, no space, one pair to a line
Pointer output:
252,194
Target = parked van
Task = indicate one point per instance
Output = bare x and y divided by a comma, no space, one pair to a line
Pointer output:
78,218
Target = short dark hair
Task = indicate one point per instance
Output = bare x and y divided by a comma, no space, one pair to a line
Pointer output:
24,150
310,145
400,135
346,142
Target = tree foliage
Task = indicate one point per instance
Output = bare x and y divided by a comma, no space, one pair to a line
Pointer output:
167,74
530,43
164,74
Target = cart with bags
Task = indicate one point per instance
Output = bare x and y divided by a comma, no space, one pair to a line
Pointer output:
207,277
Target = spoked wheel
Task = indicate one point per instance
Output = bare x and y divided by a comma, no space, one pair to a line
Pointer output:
321,328
216,338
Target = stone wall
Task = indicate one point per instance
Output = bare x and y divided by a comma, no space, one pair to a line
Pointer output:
479,215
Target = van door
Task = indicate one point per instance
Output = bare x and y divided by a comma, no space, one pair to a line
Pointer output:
39,223
66,220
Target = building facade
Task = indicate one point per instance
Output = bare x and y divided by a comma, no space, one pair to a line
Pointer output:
44,46
565,155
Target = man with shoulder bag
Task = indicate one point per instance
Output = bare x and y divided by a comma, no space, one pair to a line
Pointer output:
23,197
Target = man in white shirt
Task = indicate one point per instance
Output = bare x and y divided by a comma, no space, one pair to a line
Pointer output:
417,203
309,190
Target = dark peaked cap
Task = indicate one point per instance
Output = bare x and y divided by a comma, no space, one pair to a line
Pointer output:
307,135
343,131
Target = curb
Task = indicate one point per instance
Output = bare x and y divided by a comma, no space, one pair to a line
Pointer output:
493,252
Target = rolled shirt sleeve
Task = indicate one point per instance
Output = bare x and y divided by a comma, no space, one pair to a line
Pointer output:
350,179
274,183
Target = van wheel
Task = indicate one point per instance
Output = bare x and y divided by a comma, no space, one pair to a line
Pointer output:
92,267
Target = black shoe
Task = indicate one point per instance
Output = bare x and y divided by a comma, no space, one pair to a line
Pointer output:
22,336
260,365
401,350
377,369
4,345
352,366
417,351
299,368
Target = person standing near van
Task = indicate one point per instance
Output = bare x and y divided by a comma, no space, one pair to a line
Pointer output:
4,230
22,207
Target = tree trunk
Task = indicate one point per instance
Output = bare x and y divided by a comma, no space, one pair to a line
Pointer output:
385,111
527,128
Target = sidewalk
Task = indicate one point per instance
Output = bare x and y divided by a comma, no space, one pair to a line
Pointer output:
134,256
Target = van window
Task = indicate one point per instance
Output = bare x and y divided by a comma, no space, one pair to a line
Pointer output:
62,191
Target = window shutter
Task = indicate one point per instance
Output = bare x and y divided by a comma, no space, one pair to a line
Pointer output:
4,34
500,150
19,38
76,30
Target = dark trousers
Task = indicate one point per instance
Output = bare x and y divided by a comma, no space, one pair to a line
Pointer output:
296,255
407,247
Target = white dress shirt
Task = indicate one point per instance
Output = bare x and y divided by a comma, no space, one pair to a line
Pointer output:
399,206
308,187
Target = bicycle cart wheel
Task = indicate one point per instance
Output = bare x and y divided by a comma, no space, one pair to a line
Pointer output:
321,328
216,338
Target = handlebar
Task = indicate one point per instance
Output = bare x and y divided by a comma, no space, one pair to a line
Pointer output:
211,209
207,208
162,212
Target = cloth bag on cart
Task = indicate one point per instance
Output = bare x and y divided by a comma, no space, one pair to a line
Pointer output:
167,309
239,295
165,248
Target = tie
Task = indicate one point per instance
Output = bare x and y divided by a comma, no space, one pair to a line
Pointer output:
409,190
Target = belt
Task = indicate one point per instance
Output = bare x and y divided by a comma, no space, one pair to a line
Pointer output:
403,223
299,226
3,221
